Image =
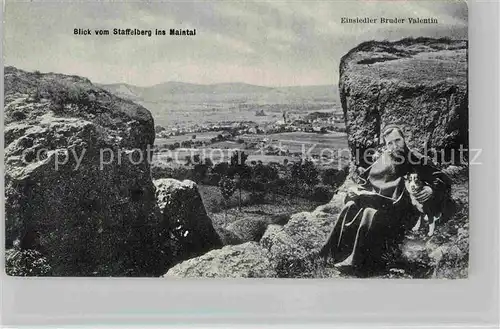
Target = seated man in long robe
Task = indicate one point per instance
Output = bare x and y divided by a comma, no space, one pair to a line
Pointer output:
378,212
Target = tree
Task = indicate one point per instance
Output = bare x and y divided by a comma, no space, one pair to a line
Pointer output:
208,162
334,177
221,168
200,171
329,177
310,173
227,188
238,158
297,172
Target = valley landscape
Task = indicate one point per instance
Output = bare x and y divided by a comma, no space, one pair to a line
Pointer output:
271,124
203,126
239,184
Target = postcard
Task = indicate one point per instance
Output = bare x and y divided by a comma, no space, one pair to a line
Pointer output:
255,139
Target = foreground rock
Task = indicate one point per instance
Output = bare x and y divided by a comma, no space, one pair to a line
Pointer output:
86,211
294,247
248,260
452,258
421,83
185,216
227,237
248,229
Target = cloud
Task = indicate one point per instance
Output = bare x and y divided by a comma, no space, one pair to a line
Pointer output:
268,43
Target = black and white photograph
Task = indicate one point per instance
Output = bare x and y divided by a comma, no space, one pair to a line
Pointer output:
255,139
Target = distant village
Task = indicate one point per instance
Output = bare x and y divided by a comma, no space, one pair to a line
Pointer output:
321,122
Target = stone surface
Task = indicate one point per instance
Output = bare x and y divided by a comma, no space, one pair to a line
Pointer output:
247,260
294,247
420,83
227,237
248,229
89,217
185,216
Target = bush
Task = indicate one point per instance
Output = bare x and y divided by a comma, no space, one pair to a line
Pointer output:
200,172
221,168
212,179
333,177
328,177
321,193
264,173
257,197
310,173
63,94
227,187
238,158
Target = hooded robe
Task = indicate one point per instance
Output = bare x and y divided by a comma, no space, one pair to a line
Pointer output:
371,225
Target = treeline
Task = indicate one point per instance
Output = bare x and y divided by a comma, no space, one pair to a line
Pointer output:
296,179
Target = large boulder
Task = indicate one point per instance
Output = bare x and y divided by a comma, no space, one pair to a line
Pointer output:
248,229
420,83
227,237
185,216
75,186
294,247
248,260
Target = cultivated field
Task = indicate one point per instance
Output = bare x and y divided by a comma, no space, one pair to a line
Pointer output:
331,146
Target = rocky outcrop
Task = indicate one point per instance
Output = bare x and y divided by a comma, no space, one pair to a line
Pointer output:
420,83
283,251
294,247
227,237
75,186
247,260
248,229
185,216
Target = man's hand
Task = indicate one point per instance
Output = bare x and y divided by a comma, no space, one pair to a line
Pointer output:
424,195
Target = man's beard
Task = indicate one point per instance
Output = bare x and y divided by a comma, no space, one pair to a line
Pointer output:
399,156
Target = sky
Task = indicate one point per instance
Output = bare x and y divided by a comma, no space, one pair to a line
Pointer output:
270,43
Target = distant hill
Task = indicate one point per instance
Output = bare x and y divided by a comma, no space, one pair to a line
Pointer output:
124,90
172,87
172,90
